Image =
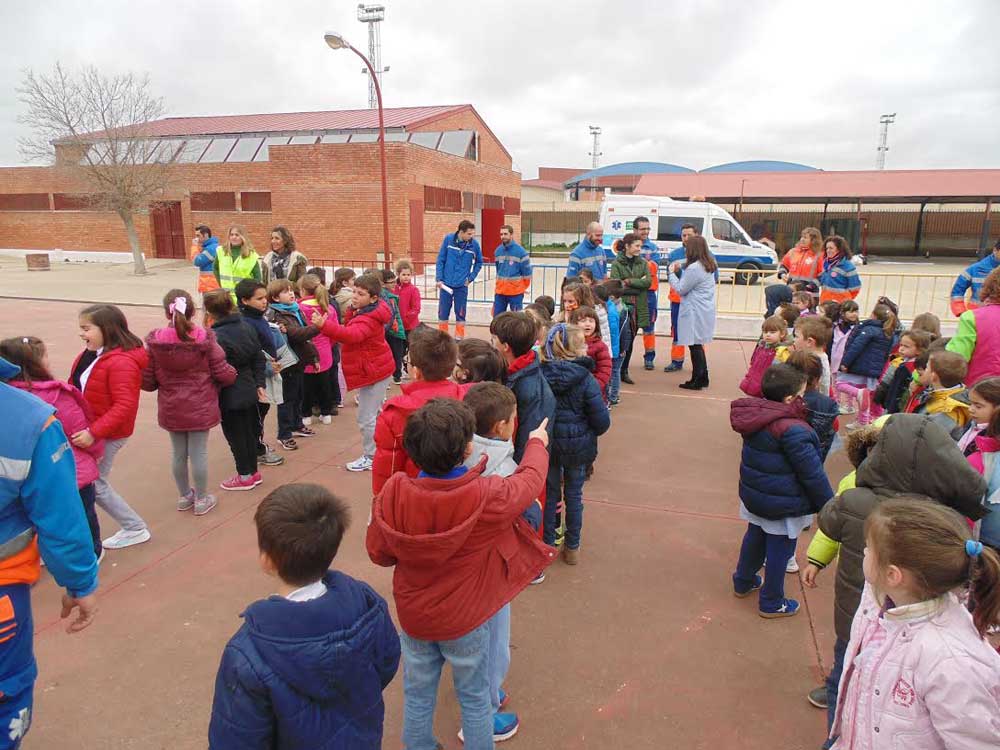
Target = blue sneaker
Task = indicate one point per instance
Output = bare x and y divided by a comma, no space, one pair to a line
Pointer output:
674,367
504,727
788,608
757,583
503,698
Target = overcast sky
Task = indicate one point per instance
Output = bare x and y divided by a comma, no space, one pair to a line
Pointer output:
693,83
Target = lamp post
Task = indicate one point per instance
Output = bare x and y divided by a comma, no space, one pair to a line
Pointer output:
337,41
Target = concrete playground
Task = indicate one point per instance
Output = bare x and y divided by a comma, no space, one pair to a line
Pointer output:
642,645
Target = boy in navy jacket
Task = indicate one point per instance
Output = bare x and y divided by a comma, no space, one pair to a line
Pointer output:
309,664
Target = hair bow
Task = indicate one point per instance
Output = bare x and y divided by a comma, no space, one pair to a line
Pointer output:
179,305
973,548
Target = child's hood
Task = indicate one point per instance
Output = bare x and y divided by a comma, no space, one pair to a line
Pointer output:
565,376
750,415
52,392
497,453
320,647
171,353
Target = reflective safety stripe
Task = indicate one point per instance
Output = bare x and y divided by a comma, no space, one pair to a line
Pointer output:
14,469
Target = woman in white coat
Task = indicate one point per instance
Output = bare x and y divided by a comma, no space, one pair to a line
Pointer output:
696,319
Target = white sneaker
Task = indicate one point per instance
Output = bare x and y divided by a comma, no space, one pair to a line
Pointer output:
362,464
793,566
306,421
124,538
326,419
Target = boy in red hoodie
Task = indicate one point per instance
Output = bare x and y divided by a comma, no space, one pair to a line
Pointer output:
461,552
433,356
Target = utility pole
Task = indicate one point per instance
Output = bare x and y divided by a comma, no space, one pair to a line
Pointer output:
595,152
373,15
883,142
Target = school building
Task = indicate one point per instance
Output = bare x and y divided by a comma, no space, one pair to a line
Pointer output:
317,173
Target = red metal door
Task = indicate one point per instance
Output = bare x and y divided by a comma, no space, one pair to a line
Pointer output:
416,230
492,221
169,238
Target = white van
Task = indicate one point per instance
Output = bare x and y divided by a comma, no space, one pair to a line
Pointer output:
728,241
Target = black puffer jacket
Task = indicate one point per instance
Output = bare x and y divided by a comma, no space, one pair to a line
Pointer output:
581,415
239,341
913,456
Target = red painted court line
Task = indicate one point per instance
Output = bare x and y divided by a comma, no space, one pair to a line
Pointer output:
675,511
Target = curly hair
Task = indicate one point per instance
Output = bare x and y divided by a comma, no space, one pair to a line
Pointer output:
990,291
286,238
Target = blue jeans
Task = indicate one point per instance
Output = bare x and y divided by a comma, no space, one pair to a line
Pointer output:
499,626
469,657
833,683
759,546
504,302
88,494
615,384
445,300
565,482
17,664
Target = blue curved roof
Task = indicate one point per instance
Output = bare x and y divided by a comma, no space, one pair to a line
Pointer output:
761,166
630,168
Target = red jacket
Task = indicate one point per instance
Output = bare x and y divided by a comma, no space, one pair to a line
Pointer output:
597,350
390,455
760,360
460,547
365,356
112,390
409,305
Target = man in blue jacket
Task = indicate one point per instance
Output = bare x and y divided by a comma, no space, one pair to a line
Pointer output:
973,278
458,263
40,512
513,273
590,254
203,250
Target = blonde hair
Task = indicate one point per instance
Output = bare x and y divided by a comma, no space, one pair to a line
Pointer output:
815,238
247,246
563,341
310,284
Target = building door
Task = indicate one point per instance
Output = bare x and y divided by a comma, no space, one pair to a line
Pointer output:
416,230
169,238
492,221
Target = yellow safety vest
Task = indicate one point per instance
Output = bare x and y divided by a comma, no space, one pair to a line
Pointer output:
232,272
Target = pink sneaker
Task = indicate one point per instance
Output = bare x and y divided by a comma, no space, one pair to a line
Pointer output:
237,484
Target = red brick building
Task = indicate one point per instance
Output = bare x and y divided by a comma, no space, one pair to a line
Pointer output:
316,173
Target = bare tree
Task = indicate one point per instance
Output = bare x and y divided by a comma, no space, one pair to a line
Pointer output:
96,123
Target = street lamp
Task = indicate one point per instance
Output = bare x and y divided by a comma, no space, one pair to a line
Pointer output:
337,41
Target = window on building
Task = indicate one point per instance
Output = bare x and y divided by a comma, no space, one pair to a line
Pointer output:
457,142
335,138
213,201
256,201
364,137
24,201
442,199
427,140
468,201
726,231
396,136
245,149
218,150
304,140
71,202
669,227
512,206
193,150
264,154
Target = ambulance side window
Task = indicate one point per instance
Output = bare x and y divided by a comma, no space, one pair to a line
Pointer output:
669,227
725,230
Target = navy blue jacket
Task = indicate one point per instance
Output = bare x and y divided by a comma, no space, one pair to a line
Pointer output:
307,674
255,318
781,469
580,412
821,414
535,402
867,349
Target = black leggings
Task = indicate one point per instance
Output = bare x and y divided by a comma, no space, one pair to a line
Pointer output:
699,365
398,348
318,392
240,428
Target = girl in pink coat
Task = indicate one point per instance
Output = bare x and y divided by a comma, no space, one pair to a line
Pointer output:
919,673
72,410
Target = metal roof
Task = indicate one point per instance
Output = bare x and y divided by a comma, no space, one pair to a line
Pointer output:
759,166
629,168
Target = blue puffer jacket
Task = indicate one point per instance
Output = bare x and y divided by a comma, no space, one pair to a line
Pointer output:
781,469
867,350
580,411
535,402
458,262
205,260
307,674
973,277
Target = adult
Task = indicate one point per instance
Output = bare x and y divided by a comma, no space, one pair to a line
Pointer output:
839,281
40,511
973,278
236,260
203,250
633,271
650,250
650,254
677,254
284,261
696,317
458,264
590,254
513,265
978,335
803,264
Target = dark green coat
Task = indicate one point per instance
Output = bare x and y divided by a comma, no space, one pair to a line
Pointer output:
635,273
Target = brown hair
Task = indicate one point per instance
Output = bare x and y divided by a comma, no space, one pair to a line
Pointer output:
921,339
988,389
114,327
775,323
951,368
586,311
615,287
27,353
300,527
480,362
547,302
277,286
990,290
404,264
181,320
805,297
437,434
816,328
287,240
815,238
490,403
928,540
563,341
789,312
581,293
310,284
340,278
928,322
843,249
370,283
887,317
434,352
218,303
620,245
810,365
516,329
831,310
696,250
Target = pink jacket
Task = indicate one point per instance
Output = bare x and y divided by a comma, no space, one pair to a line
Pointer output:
760,360
324,346
73,411
934,685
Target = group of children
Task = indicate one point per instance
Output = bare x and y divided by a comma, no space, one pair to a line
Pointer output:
916,525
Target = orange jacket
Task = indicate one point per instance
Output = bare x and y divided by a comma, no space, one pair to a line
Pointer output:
803,263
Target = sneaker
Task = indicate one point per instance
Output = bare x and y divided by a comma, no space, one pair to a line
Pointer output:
788,608
626,379
614,402
504,698
186,502
818,697
540,578
792,566
362,464
757,583
560,536
326,419
306,421
357,400
236,483
648,366
270,459
289,444
397,381
124,538
504,727
303,432
204,504
571,556
101,557
340,405
674,367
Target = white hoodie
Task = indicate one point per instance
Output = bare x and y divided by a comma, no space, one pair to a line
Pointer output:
499,456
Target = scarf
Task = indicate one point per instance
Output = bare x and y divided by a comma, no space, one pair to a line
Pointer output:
279,265
291,310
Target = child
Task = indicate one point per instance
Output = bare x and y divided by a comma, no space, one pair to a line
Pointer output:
187,367
812,334
395,334
514,336
586,277
72,410
918,671
409,301
573,296
782,485
940,382
805,303
308,666
586,318
109,374
821,410
343,287
238,401
772,333
433,355
548,303
615,288
843,327
893,390
580,418
865,356
317,385
984,406
540,313
830,310
928,322
284,311
607,314
790,313
461,553
366,357
478,362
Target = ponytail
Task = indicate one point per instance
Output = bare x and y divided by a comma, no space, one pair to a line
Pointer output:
179,307
890,322
985,588
311,284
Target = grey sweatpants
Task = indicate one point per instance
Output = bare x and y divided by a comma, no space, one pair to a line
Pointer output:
113,503
193,447
369,404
